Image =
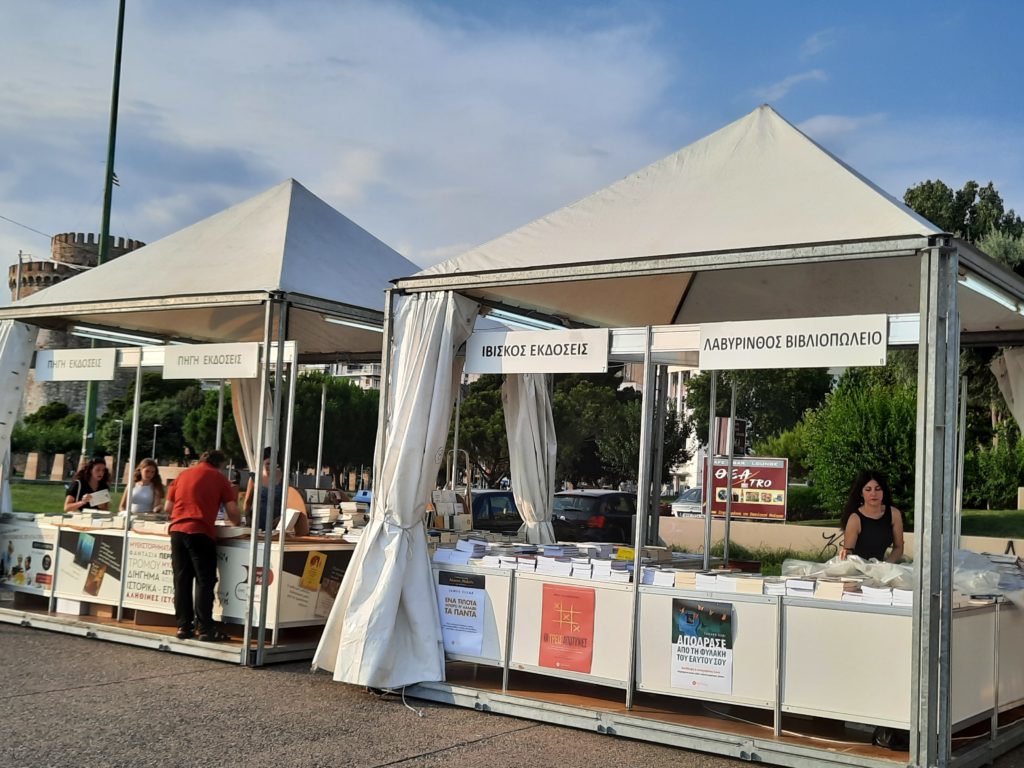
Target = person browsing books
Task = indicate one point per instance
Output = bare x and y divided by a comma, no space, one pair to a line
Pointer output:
148,489
92,479
870,523
301,522
193,501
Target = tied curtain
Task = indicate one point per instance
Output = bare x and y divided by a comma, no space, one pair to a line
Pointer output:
532,452
17,342
383,630
245,407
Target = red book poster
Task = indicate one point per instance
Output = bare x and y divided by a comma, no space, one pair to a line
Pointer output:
567,628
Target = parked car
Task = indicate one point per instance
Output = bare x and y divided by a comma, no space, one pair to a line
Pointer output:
594,515
688,503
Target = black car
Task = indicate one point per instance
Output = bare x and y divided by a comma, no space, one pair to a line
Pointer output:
594,515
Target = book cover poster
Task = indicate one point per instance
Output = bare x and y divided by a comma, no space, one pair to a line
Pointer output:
702,645
27,557
567,628
461,599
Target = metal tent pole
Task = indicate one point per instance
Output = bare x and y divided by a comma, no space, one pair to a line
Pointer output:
130,488
709,470
268,528
320,440
383,412
293,372
253,516
455,437
730,449
930,725
660,413
961,448
643,497
220,416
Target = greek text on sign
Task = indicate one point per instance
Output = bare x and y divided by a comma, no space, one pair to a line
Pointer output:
75,364
212,361
576,351
809,342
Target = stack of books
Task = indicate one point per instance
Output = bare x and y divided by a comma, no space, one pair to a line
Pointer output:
451,556
475,547
876,595
829,589
853,596
775,585
686,579
902,596
526,562
554,566
799,587
706,581
750,584
610,570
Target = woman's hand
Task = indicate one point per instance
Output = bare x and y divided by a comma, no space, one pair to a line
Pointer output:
85,500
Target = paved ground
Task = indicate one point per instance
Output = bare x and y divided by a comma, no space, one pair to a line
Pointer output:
67,701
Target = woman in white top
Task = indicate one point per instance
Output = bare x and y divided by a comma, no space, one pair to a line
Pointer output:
148,491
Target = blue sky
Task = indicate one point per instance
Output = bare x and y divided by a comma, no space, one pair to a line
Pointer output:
439,125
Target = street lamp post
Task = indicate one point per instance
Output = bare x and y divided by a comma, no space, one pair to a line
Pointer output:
117,465
155,428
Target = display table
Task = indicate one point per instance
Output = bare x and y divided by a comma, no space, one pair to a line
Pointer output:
89,577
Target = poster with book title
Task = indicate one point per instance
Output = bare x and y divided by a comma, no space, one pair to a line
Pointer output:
26,555
461,600
702,634
567,628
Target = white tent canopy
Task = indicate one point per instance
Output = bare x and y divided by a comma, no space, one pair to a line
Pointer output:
208,281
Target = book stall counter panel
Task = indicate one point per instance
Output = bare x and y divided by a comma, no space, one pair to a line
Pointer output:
1011,656
473,604
972,670
89,565
306,589
27,550
749,667
573,628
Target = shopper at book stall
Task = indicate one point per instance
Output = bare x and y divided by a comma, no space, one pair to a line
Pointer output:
148,489
193,501
90,489
870,523
301,522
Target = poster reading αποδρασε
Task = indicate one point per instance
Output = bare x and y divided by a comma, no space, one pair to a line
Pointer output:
567,628
460,603
702,645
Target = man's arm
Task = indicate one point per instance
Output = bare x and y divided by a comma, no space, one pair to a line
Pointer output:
231,509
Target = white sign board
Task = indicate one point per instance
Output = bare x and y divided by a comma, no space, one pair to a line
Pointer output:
810,342
576,351
75,364
212,361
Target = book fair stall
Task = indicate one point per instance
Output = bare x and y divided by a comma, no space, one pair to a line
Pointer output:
238,297
753,248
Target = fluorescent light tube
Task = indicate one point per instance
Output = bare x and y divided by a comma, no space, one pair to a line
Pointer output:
355,324
522,321
116,337
989,291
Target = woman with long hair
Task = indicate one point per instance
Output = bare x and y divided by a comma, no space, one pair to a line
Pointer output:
92,477
147,489
870,523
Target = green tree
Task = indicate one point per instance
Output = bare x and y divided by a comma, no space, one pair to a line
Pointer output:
482,429
200,426
773,400
51,429
619,446
582,407
969,213
790,444
867,422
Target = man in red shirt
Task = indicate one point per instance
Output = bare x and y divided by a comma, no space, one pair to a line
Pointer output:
193,501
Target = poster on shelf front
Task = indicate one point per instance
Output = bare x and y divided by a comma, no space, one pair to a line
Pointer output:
567,628
89,568
702,634
461,599
26,556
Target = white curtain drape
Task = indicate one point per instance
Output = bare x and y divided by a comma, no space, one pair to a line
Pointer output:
532,452
1009,372
383,630
245,407
17,342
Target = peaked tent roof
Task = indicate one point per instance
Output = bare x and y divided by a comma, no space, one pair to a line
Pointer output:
756,184
201,282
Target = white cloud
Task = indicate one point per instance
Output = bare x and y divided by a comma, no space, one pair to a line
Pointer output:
817,43
826,127
436,132
777,91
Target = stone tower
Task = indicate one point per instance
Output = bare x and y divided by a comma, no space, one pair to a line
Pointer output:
71,253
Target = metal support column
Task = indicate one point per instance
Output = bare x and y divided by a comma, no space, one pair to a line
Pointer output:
130,487
220,416
730,449
658,453
293,374
320,440
709,469
933,491
643,497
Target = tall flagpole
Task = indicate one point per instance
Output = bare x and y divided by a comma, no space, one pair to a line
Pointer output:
89,428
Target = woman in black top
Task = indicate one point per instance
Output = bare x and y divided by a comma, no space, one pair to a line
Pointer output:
90,478
870,523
